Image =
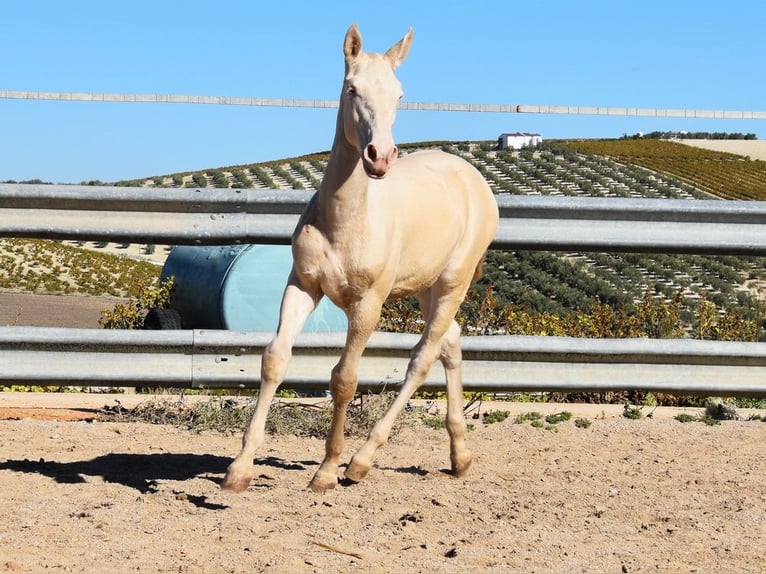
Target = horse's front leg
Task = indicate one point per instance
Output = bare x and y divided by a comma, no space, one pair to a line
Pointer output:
362,319
297,305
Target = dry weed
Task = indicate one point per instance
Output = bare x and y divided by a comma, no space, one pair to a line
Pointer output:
227,414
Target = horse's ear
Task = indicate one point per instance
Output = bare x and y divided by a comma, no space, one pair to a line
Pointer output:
398,52
352,45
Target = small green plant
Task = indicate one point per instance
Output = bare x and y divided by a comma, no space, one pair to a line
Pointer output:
710,421
494,417
582,423
130,315
649,400
631,412
434,422
536,420
556,418
532,417
685,418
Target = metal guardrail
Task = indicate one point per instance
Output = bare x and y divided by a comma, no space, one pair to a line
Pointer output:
224,216
225,359
231,359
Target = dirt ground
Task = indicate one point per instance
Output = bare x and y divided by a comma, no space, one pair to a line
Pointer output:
620,496
652,495
46,310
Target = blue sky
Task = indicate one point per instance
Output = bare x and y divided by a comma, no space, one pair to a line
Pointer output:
649,54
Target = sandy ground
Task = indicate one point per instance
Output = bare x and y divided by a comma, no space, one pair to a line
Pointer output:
619,496
756,149
650,495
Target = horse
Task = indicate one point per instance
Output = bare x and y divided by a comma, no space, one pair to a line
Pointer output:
379,227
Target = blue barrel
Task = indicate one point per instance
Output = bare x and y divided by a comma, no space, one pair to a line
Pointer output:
238,287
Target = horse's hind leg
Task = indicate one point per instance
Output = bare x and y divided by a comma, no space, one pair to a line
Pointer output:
439,308
451,357
297,305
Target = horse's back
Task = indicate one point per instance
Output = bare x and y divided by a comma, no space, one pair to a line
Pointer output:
445,173
446,182
445,214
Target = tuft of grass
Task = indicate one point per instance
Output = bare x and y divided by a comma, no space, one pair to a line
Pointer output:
494,417
633,413
582,423
531,417
434,421
536,420
556,418
685,418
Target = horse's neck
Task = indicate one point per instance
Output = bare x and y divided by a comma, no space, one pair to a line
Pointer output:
343,193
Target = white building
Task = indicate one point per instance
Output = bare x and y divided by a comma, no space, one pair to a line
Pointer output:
518,140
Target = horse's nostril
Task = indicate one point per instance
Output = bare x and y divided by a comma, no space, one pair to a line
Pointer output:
372,153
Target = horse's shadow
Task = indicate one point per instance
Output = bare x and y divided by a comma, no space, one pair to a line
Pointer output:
143,471
139,471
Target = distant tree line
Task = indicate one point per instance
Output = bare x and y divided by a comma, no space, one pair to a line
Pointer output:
30,181
683,135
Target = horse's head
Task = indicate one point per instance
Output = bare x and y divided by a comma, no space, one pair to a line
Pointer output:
369,100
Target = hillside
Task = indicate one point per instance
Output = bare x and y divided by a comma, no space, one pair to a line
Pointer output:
623,167
560,283
563,283
726,175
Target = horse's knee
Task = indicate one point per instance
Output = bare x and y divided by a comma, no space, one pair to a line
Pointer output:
343,383
450,353
274,363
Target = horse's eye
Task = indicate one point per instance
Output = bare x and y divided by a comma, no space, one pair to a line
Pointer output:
352,90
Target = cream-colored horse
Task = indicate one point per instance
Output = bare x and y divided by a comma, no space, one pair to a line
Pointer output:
378,228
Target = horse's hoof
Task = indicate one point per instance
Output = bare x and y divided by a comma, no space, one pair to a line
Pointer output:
234,482
356,472
461,464
323,483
